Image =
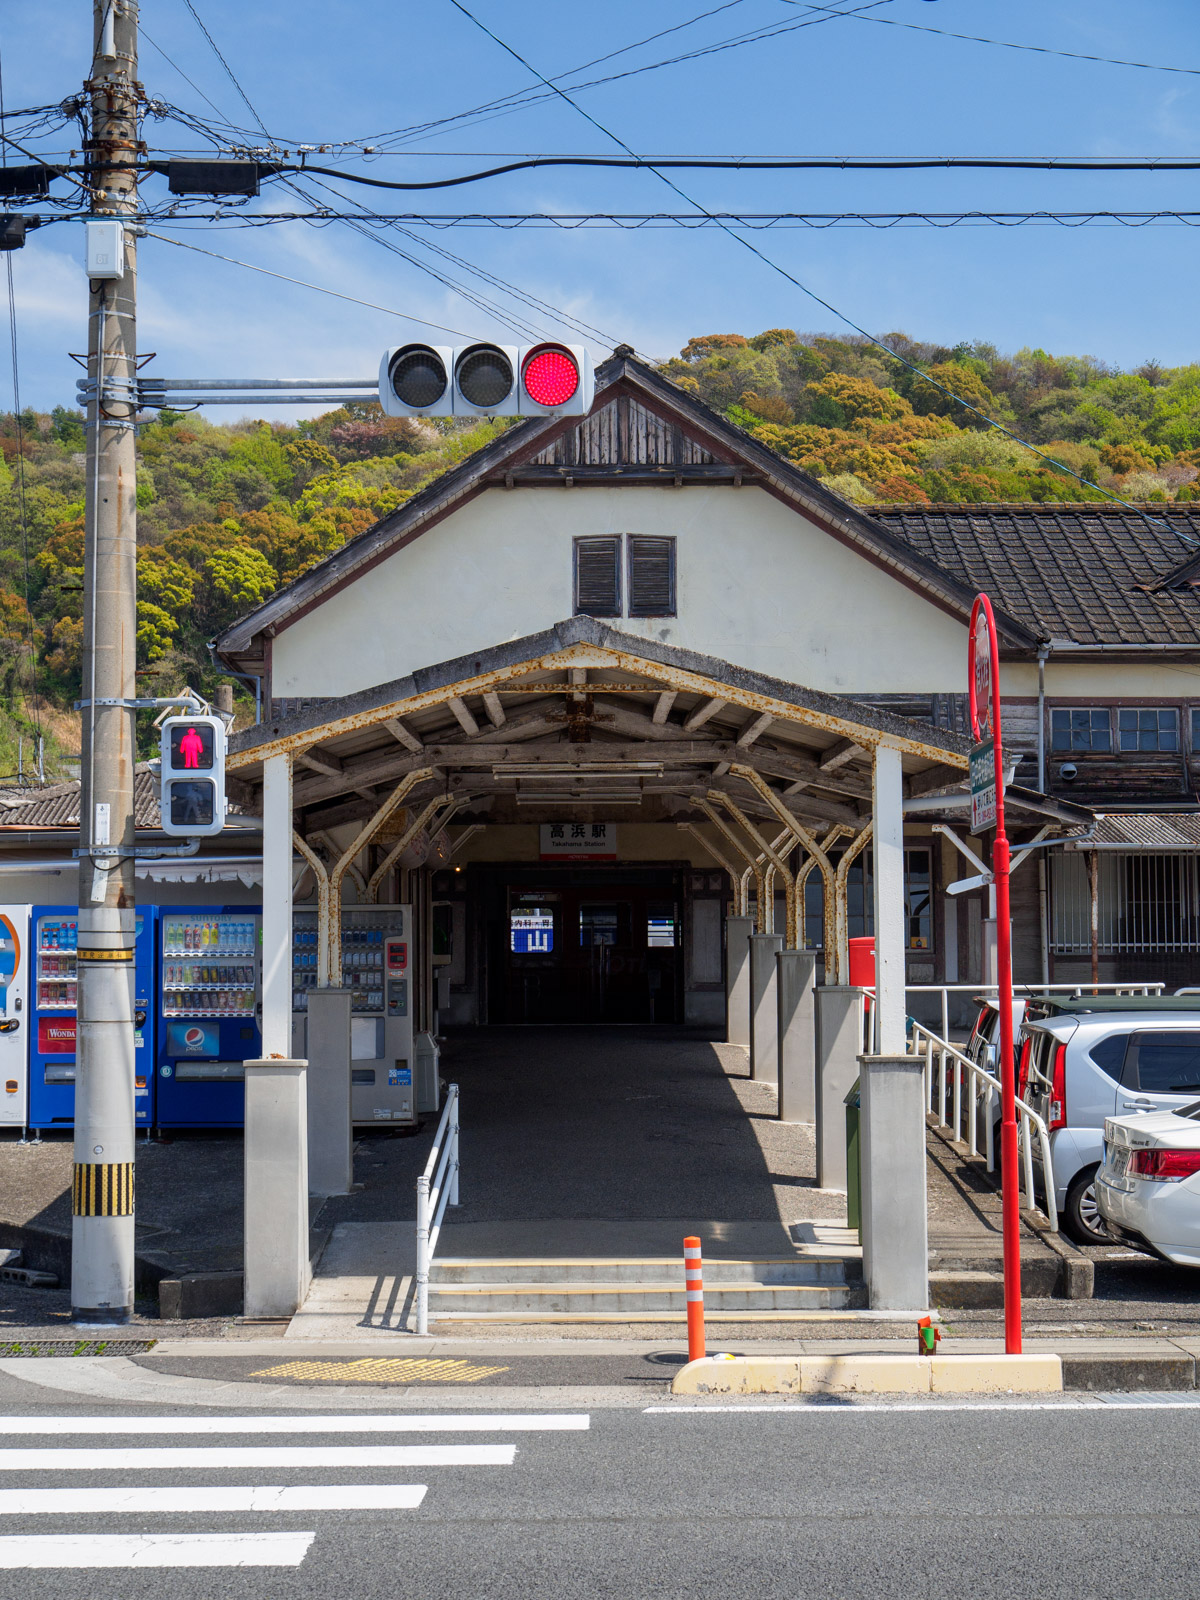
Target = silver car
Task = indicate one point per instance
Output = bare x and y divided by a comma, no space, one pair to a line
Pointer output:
1098,1058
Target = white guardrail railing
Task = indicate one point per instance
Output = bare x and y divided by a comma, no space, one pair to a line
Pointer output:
962,1095
437,1187
953,1080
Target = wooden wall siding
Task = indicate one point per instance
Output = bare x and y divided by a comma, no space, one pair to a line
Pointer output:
623,433
1026,921
1117,780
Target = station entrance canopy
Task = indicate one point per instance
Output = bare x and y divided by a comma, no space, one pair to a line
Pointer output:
584,722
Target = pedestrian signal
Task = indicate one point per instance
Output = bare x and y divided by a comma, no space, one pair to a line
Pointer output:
486,380
193,776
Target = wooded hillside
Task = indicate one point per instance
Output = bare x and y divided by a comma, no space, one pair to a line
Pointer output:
229,513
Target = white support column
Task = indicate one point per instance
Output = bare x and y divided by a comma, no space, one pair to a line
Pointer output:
764,1011
277,907
888,872
737,980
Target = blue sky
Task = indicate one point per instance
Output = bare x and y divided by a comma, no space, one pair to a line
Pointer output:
356,70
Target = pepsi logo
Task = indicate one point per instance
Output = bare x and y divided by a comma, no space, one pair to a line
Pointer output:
193,1037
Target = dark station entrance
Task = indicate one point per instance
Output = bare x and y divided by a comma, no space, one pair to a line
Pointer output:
571,945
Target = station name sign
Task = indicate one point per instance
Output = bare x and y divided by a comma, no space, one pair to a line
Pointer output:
578,841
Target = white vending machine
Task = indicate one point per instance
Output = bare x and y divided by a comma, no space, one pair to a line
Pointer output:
376,968
14,1015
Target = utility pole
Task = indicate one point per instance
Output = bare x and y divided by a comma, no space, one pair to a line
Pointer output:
102,1231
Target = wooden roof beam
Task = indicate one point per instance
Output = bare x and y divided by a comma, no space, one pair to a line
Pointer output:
754,729
495,711
697,718
465,717
839,754
662,706
398,731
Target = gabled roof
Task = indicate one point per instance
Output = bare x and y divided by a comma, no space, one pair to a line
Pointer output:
660,434
1090,573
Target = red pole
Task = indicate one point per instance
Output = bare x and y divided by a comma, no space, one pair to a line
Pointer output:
1010,1192
693,1273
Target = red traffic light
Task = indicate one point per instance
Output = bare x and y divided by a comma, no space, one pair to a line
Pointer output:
550,375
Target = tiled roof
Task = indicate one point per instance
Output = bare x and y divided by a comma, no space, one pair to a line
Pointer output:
1081,572
58,806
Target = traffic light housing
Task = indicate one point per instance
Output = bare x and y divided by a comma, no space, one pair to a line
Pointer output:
193,776
487,380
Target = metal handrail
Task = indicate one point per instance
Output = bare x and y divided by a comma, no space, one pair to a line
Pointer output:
982,1087
1023,991
437,1187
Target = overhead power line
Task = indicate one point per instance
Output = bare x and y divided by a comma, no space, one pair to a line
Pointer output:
1003,44
690,221
746,244
320,288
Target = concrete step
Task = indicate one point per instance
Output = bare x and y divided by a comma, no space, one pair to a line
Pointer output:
589,1299
814,1270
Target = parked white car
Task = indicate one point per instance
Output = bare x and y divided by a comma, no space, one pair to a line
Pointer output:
983,1047
1148,1188
1101,1057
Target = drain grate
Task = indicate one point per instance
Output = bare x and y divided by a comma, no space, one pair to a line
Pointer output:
75,1347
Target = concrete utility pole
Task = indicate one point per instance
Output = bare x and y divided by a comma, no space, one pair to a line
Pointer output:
102,1232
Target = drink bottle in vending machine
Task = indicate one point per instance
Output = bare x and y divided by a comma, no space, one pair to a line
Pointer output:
54,935
210,1013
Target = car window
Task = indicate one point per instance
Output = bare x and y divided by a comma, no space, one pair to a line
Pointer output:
1168,1063
1109,1054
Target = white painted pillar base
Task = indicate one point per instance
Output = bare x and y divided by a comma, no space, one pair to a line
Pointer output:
839,1029
737,980
795,976
887,865
330,1131
277,907
895,1229
275,1186
764,1019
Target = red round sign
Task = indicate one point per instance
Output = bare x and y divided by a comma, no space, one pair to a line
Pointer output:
983,671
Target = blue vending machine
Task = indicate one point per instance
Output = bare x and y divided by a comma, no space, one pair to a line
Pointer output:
54,934
209,1013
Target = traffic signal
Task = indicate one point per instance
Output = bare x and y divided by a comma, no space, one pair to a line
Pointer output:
193,776
486,380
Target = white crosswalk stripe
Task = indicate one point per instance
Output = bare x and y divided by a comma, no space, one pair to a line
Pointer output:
154,1550
229,1547
214,1456
243,1497
515,1422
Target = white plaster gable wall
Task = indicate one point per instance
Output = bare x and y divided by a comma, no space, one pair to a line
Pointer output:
757,584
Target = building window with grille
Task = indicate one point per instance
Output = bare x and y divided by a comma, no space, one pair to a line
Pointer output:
1080,728
1147,728
651,566
598,576
860,901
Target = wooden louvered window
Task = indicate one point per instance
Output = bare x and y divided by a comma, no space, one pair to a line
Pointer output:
651,576
598,576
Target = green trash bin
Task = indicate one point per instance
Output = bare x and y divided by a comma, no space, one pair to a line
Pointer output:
853,1104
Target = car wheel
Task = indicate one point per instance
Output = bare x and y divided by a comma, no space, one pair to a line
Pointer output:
1081,1215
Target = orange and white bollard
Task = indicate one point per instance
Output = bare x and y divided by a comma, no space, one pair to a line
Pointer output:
693,1272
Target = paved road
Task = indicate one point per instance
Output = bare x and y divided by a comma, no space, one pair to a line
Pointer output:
1064,1498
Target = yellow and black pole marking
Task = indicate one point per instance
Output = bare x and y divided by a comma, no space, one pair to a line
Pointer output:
104,955
103,1189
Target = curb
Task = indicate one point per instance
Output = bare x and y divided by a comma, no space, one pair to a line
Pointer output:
871,1374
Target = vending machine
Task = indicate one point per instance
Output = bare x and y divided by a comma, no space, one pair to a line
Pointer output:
376,942
209,1021
54,932
14,1015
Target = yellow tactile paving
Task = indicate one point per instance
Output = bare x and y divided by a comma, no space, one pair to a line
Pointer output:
386,1369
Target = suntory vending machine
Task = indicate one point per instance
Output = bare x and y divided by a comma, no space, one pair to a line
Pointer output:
210,1013
376,968
54,936
14,1015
